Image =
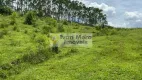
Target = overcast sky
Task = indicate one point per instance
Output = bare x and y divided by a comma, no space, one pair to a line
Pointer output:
120,13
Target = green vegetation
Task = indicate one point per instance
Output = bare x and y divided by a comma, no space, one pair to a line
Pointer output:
67,10
5,10
25,52
30,18
13,18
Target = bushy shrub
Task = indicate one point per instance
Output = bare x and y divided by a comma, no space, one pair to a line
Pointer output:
51,22
46,29
61,28
26,31
113,32
30,18
35,58
3,32
65,22
98,27
4,24
49,29
6,66
5,10
16,28
41,53
3,75
42,40
13,18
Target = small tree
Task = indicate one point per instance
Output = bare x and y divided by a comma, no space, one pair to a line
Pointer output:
13,18
51,22
5,10
30,18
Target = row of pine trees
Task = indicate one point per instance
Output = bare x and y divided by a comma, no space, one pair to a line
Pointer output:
69,10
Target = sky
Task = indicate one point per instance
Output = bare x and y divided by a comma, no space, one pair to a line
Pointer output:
120,13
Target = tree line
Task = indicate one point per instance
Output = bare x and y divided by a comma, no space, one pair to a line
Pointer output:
69,10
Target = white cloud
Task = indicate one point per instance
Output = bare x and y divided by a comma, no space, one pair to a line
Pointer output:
104,7
134,18
117,25
109,10
117,16
83,1
133,15
139,20
111,24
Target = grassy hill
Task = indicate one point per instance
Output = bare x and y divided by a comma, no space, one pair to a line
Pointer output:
25,55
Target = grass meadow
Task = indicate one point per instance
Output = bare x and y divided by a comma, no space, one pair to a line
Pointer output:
25,55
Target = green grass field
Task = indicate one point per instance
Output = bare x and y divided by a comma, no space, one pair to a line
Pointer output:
24,55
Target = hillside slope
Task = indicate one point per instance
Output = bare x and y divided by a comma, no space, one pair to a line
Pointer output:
24,55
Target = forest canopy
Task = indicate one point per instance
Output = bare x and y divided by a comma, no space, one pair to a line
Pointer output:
69,10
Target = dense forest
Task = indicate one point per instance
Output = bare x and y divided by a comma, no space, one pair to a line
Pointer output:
73,11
